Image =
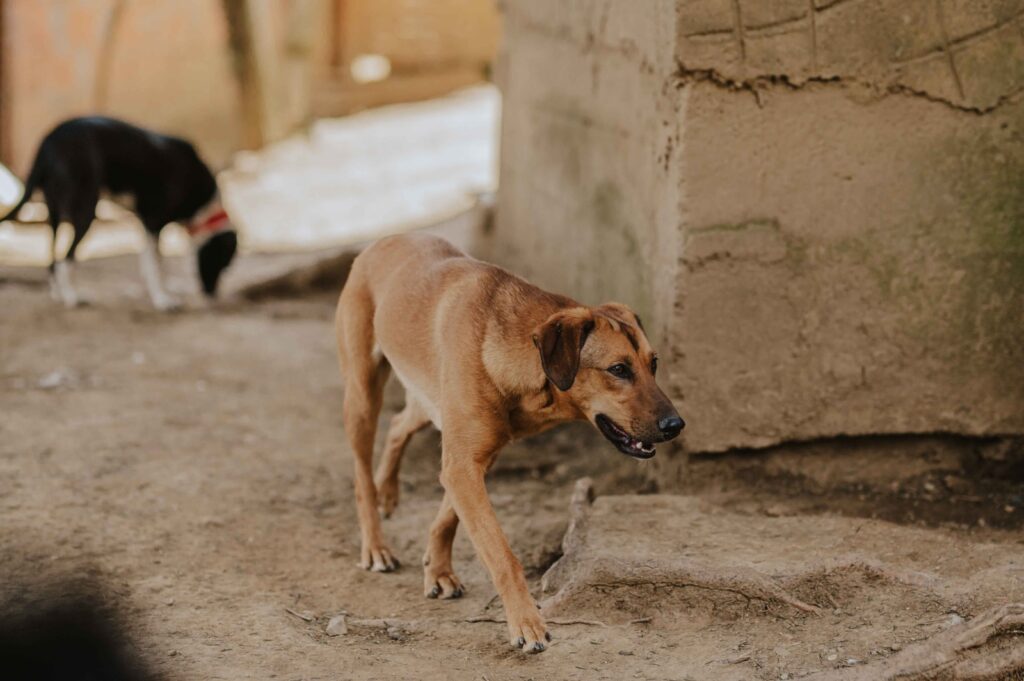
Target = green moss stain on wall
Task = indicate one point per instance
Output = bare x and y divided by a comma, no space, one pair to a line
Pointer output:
956,276
988,249
616,256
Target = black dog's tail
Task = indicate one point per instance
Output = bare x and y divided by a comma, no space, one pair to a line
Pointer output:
34,178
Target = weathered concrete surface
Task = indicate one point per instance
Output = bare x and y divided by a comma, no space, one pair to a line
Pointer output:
818,208
584,205
860,271
967,53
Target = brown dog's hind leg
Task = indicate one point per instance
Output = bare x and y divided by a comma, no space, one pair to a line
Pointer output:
365,373
439,579
403,426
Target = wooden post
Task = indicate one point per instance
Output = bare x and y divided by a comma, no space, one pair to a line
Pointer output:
5,99
105,63
253,51
337,60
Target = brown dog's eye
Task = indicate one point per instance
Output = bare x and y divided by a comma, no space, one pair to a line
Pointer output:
620,371
654,366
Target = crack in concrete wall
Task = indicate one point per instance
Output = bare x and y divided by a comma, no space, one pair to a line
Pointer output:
756,85
962,54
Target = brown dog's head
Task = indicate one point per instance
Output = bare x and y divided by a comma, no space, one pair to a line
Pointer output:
601,360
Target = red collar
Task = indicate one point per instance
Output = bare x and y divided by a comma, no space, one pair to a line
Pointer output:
215,222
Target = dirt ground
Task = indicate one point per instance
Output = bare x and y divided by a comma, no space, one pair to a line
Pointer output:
195,466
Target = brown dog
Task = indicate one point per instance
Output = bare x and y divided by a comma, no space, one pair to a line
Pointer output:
487,358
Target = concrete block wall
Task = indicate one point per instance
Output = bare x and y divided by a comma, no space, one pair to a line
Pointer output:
819,205
589,200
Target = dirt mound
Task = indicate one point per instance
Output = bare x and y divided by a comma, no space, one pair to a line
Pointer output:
681,561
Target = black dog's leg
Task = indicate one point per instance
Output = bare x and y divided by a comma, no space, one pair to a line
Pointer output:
54,216
151,265
81,220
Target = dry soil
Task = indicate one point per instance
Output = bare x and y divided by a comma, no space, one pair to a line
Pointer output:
194,466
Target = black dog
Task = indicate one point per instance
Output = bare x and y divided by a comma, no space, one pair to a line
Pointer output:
163,177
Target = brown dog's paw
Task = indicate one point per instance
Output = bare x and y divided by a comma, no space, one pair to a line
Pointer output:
387,497
378,559
528,631
441,584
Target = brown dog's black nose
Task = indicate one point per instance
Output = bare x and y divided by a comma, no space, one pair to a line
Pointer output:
671,426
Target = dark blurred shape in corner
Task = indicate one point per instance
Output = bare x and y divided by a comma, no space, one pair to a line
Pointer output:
66,632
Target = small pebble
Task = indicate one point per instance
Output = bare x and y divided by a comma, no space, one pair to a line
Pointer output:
850,661
895,646
956,484
625,652
832,657
395,634
337,626
54,379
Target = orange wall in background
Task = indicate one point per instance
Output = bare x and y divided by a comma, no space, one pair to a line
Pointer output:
167,66
420,35
431,47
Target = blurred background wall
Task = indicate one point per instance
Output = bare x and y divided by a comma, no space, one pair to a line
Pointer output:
229,74
430,47
162,63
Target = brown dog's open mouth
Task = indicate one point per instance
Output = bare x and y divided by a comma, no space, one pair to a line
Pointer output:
626,443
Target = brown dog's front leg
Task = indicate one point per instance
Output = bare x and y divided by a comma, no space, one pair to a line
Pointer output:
464,484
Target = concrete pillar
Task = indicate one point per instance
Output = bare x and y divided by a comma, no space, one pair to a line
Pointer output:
818,204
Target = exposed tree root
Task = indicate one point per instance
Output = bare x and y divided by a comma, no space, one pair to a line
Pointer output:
563,622
570,576
952,655
609,572
746,584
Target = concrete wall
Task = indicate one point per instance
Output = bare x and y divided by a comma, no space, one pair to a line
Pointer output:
820,204
589,202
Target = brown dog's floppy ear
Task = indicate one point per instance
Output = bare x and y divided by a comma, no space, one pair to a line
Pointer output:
560,340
